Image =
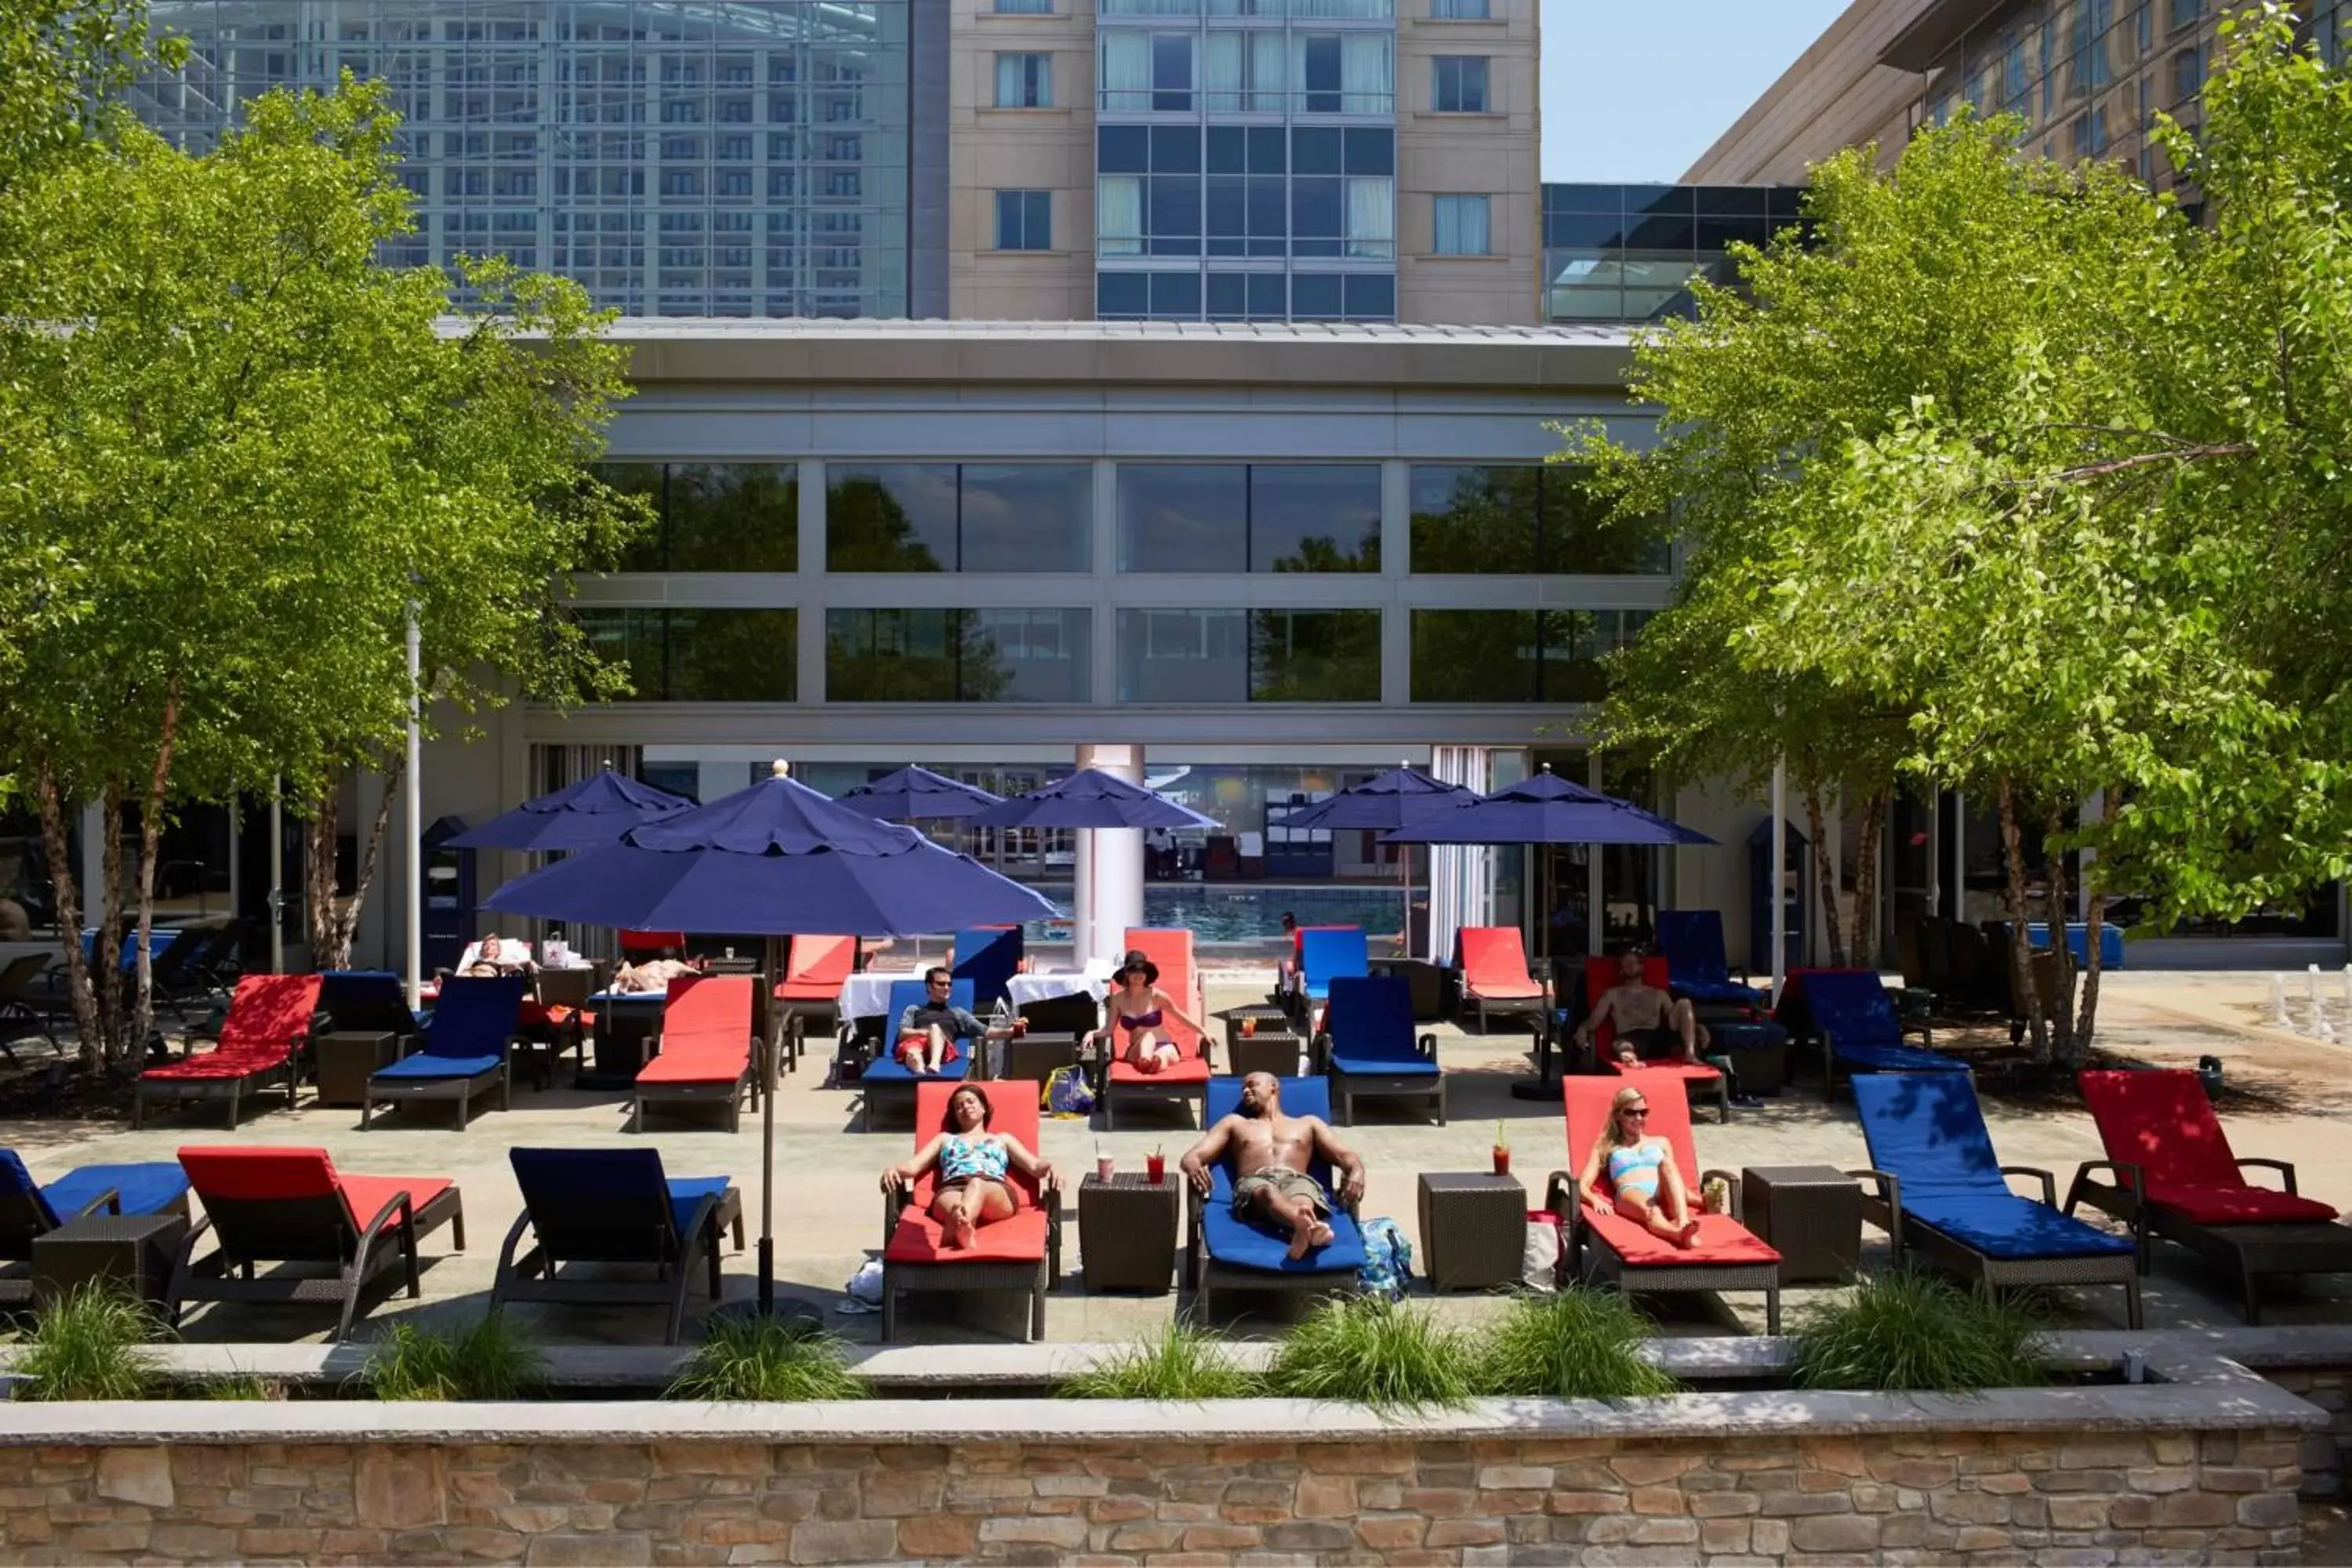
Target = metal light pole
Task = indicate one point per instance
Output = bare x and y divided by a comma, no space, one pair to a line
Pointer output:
277,899
1779,920
412,797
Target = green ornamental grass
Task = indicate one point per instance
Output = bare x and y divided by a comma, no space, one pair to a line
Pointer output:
92,1344
491,1360
1373,1351
1183,1363
1581,1344
1907,1330
768,1360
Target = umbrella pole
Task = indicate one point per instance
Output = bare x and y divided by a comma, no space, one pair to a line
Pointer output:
770,1046
1544,1085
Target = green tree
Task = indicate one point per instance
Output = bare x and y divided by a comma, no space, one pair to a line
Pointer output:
62,64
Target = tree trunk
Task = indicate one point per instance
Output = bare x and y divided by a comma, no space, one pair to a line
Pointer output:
2020,952
105,951
2093,919
2066,1050
1825,874
333,929
68,909
1865,943
151,835
324,827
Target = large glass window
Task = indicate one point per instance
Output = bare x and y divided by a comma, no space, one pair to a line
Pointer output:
1460,225
1516,656
1525,521
1148,190
1459,84
1249,655
1234,517
955,656
951,517
1024,82
712,517
698,655
1025,220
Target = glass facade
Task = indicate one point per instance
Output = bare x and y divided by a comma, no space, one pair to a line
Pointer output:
1516,656
1246,160
713,517
678,157
1628,253
1522,521
1253,517
700,655
955,656
959,517
1249,655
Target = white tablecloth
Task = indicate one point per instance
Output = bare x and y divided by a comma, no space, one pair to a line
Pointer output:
867,995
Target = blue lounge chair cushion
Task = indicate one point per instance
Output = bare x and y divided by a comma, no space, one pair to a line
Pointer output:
425,1065
685,1195
1723,993
1897,1058
1327,955
476,1016
1383,1065
567,1187
891,1069
987,959
1371,1024
1233,1240
2015,1227
148,1188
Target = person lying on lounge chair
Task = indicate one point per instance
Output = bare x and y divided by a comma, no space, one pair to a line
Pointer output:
1644,1015
971,1164
1139,1011
1271,1151
1648,1185
653,975
927,1028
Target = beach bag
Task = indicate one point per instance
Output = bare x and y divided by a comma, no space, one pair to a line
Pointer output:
1068,1093
1539,1262
1387,1270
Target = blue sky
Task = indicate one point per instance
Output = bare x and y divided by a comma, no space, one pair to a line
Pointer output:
1635,90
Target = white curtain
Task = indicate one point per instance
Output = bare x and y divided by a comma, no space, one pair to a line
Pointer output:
1266,54
1119,215
1220,69
1024,82
1459,893
1126,69
1462,225
1367,73
1371,219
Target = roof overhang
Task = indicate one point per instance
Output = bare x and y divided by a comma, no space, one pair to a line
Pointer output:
1938,25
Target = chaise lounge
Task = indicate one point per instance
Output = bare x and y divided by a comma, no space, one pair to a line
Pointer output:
1187,1079
1495,978
1698,1077
887,1081
1860,1030
606,1207
1369,1051
29,1209
1224,1251
467,1049
704,1050
1022,1253
268,1021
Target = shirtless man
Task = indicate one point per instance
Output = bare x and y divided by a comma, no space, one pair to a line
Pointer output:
1643,1014
1272,1151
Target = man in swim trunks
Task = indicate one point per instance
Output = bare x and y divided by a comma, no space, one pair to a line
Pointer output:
1272,1150
1650,1023
928,1028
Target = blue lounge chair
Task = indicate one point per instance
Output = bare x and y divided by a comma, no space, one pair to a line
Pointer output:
1934,1187
1368,1049
1691,941
988,957
29,1209
465,1048
1860,1031
888,1078
1325,954
605,1207
365,1001
1224,1250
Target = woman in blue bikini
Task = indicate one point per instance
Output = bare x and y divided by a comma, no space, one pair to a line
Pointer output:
972,1162
1642,1169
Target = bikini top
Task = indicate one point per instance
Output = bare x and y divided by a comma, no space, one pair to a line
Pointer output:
1639,1163
961,1158
1132,1021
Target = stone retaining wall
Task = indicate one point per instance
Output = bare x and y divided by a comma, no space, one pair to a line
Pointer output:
2099,1496
2327,1455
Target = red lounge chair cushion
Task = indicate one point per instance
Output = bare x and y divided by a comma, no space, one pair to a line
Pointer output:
259,1174
807,991
561,1016
918,1240
270,1012
1495,965
222,1064
1721,1240
1186,1069
698,1058
367,1195
2238,1205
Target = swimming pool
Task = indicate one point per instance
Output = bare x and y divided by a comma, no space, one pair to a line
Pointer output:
1225,912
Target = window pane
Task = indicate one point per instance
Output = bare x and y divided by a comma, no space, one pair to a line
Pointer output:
734,516
896,517
1314,518
1183,656
1580,538
1028,516
647,550
1182,517
1475,656
1024,656
1315,656
698,655
1476,520
890,655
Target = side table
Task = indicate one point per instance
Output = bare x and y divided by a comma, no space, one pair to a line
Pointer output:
1811,1214
1031,1057
1474,1229
347,1057
1266,1051
135,1249
1258,1015
1127,1231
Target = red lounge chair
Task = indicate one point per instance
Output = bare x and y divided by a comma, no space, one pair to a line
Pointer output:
1728,1254
810,992
1023,1253
1599,975
268,1020
291,1206
2175,1175
704,1050
1494,977
1172,951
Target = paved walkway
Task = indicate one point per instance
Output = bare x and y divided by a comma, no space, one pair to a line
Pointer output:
2287,1098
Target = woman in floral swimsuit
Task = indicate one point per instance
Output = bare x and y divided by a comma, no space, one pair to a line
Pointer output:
973,1163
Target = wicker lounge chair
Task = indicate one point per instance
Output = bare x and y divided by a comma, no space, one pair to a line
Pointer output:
1936,1188
888,1082
989,957
1861,1032
1224,1251
1495,978
1325,954
1369,1051
705,1048
613,1206
465,1050
1727,1255
292,1207
810,992
365,1001
2173,1174
1698,1078
268,1021
29,1007
1691,941
1022,1253
1170,949
30,1209
1186,1079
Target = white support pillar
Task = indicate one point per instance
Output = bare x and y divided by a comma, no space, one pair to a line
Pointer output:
1108,880
412,822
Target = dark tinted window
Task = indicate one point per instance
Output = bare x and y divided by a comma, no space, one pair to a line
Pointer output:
712,517
1503,519
1122,293
1313,517
1315,656
1027,517
1249,655
1516,656
1315,151
955,656
1183,517
893,517
1123,149
698,655
1370,152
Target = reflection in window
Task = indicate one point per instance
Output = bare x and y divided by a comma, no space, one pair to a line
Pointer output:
1249,655
698,655
1478,519
950,517
955,656
893,517
1315,656
1183,517
1263,517
1516,656
712,517
1323,516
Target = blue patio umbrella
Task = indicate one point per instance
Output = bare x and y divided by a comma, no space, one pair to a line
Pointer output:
1090,798
914,795
588,814
775,859
1397,798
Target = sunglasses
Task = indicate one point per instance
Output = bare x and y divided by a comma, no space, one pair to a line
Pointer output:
1635,1111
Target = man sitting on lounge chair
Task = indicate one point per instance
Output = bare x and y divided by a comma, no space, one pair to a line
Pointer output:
1271,1151
1644,1017
927,1028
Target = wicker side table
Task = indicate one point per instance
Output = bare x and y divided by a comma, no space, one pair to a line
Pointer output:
1258,1015
1030,1058
347,1059
1266,1051
136,1251
1811,1214
1474,1229
1127,1231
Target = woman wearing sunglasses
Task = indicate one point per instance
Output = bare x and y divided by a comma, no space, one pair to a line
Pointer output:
1647,1183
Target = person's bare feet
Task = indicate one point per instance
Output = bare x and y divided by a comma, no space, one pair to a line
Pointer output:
1308,1237
1688,1233
958,1233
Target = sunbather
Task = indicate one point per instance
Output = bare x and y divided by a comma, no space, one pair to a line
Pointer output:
1649,1185
971,1164
1270,1152
1649,1022
1138,1031
653,975
928,1028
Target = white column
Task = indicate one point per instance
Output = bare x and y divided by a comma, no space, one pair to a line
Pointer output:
411,820
1108,875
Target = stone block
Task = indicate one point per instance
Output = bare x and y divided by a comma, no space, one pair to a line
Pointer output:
1304,1535
1117,1510
1796,1505
2131,1511
852,1541
1664,1532
591,1551
1834,1532
2270,1510
1379,1497
939,1535
2221,1478
1437,1502
1508,1502
710,1459
2200,1509
1390,1532
895,1494
1514,1477
1770,1538
1145,1537
2087,1510
206,1465
1642,1469
403,1487
141,1475
1660,1501
1463,1532
1357,1458
1067,1534
1324,1497
2166,1479
1717,1536
1925,1473
1588,1502
1215,1537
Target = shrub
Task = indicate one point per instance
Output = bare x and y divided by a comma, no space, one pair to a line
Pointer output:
1370,1351
242,1385
1908,1330
92,1344
1582,1343
768,1359
1183,1363
492,1360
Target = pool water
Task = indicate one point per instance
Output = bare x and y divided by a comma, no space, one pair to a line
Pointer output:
1223,912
